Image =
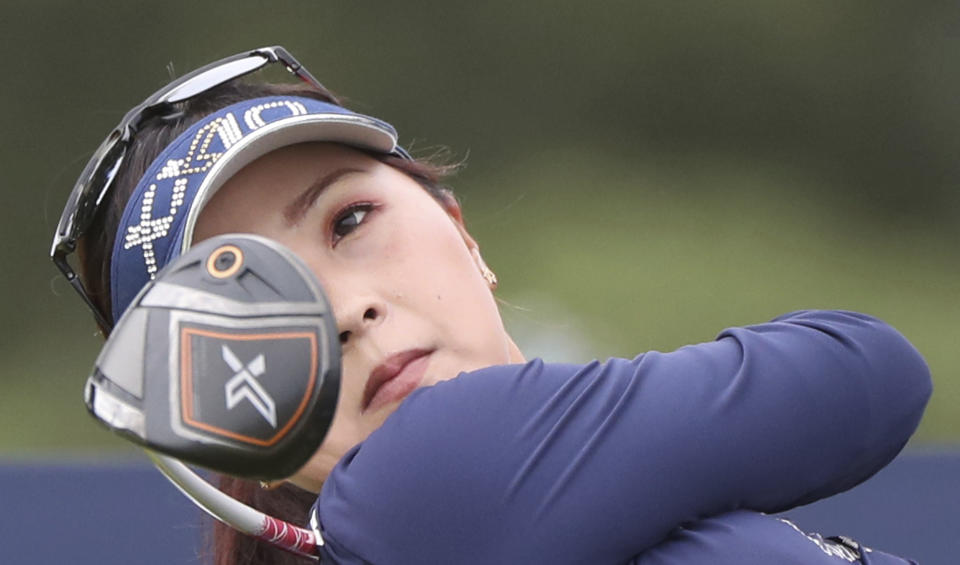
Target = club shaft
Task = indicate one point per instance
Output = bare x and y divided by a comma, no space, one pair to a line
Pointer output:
234,513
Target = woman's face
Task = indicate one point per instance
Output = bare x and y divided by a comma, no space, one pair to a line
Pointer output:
400,270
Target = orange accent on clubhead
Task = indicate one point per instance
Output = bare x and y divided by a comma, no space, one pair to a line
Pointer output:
212,261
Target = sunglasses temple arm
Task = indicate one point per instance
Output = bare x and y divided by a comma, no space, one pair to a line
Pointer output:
74,281
234,513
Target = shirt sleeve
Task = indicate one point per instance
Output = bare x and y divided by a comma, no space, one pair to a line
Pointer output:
545,463
747,538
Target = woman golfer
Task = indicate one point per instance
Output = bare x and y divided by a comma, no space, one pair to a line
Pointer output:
448,446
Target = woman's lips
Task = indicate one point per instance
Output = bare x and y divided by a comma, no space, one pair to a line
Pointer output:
395,378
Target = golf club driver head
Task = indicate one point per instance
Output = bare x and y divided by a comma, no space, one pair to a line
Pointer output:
229,359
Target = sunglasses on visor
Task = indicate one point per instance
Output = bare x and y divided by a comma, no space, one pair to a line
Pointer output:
97,177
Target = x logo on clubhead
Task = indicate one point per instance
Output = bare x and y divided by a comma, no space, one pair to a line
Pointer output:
244,384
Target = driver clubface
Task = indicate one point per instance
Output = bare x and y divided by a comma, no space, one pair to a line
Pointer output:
229,359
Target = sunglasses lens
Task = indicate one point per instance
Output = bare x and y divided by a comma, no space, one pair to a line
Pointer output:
82,203
214,77
96,185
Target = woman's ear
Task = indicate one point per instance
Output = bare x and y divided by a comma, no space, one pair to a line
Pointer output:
450,205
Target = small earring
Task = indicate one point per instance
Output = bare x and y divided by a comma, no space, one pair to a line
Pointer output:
488,275
270,485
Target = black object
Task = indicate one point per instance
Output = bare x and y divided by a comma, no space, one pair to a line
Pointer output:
229,359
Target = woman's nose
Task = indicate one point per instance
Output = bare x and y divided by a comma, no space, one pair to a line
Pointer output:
356,319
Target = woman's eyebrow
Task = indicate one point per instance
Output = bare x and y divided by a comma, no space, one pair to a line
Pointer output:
295,211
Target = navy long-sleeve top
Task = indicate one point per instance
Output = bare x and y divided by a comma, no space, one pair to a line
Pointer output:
632,461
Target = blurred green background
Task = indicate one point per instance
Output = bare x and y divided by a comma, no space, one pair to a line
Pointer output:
640,174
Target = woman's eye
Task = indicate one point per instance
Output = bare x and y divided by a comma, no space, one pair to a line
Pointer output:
350,219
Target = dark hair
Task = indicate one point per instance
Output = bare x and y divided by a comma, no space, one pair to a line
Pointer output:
286,502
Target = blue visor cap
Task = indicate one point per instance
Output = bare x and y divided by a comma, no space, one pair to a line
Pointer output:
158,221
